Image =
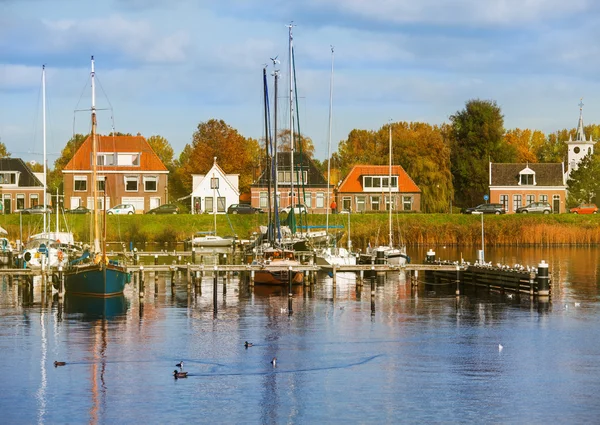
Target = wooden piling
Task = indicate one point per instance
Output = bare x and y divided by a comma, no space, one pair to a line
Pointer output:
141,289
215,277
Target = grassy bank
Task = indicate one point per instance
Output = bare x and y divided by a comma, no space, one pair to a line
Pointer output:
414,229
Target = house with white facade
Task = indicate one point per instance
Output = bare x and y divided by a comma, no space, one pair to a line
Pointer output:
214,189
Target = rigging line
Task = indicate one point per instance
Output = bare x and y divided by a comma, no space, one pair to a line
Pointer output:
301,179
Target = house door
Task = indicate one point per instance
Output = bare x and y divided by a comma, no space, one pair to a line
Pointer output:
7,206
556,204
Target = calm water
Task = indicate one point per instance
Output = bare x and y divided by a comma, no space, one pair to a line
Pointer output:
422,356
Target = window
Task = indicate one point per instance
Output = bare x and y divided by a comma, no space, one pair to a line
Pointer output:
308,200
208,204
75,202
387,203
101,183
20,201
407,202
263,199
527,179
375,203
504,201
368,182
128,159
320,200
150,183
530,199
105,159
516,202
131,183
379,182
221,204
33,200
543,198
80,183
8,178
360,203
347,203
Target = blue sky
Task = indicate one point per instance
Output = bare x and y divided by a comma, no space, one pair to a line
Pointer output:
167,65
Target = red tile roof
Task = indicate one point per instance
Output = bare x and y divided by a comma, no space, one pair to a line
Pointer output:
353,181
135,144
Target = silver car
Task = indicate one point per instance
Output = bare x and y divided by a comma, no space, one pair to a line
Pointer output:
535,208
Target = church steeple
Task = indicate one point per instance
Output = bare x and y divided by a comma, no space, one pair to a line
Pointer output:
580,137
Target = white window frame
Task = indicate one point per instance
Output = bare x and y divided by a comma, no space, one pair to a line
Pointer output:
543,198
308,200
20,196
263,199
101,159
360,202
407,203
517,201
128,179
148,179
530,199
103,180
32,197
320,201
504,200
79,179
128,159
375,202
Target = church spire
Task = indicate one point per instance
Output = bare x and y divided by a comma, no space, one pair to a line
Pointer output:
580,134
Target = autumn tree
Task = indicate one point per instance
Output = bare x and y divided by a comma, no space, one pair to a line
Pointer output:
526,143
177,188
55,177
475,140
583,183
235,154
35,167
162,148
362,147
4,153
303,143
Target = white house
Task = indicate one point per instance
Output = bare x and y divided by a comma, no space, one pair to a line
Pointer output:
214,188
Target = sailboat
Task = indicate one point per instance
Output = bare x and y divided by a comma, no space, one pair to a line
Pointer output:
394,255
331,255
93,274
276,262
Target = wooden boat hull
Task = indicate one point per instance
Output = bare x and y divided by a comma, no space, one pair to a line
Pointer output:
277,277
89,280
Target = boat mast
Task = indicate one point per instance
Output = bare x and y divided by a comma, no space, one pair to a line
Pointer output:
291,40
44,142
94,164
329,146
270,228
390,190
275,162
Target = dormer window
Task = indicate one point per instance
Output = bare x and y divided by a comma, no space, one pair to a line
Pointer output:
527,177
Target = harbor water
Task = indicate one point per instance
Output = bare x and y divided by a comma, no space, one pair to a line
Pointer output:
409,355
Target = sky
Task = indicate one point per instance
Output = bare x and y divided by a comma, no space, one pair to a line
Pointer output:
164,66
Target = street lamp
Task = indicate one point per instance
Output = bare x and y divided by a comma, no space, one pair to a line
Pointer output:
482,251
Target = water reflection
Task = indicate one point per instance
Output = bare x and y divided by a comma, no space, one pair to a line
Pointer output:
94,308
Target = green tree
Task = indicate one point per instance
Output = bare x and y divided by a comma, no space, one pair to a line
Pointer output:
235,154
476,139
583,183
300,142
36,167
55,177
554,148
162,148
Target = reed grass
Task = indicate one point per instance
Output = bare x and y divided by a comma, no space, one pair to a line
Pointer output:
412,229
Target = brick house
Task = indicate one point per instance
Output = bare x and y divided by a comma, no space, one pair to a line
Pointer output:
315,185
366,188
128,171
19,187
516,185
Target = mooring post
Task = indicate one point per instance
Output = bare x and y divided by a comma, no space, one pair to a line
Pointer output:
430,256
531,282
290,277
543,279
215,277
416,278
172,279
193,255
334,277
156,259
457,280
141,291
61,282
198,282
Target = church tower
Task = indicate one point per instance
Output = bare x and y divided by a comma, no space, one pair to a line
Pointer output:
580,147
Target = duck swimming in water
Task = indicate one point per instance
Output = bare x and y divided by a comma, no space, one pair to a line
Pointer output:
179,374
274,361
248,344
56,364
180,365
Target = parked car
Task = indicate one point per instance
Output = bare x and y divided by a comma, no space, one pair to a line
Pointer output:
164,209
121,209
79,210
243,209
585,209
535,208
299,208
485,209
37,209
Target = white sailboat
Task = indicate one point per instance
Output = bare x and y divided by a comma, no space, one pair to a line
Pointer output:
333,255
394,255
